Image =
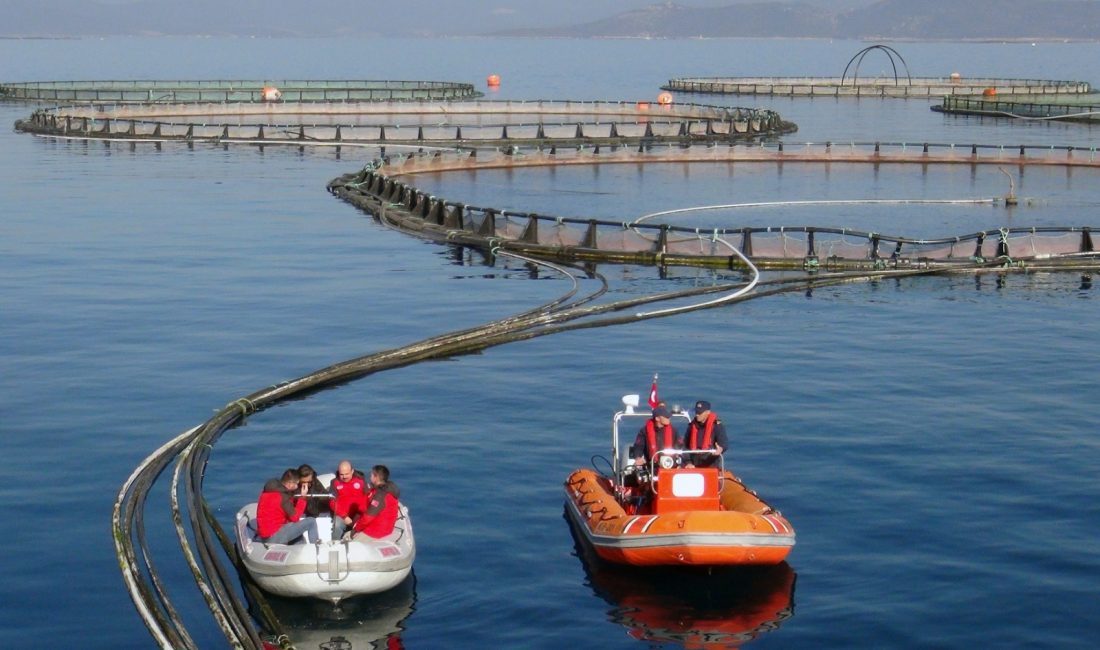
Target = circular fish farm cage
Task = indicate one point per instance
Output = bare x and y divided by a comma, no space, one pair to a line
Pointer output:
408,122
380,190
896,85
226,91
915,88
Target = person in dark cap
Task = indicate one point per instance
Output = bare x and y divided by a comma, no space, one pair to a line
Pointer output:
657,434
706,431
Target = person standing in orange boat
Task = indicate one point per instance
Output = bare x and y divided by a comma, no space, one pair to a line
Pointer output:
657,434
706,431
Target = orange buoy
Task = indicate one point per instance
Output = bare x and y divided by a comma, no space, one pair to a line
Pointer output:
493,81
643,106
989,92
664,99
271,94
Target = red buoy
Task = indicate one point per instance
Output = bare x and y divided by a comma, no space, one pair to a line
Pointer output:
271,94
493,81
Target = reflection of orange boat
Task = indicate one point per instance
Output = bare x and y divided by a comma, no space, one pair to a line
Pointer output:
723,607
681,516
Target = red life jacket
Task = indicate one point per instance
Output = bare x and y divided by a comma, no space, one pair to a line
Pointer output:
381,524
270,516
708,433
651,438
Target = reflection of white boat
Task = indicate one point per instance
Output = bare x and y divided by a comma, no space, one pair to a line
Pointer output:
373,622
326,569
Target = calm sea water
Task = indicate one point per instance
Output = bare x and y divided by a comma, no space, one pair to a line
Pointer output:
932,440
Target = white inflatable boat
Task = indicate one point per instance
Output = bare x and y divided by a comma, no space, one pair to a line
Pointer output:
326,569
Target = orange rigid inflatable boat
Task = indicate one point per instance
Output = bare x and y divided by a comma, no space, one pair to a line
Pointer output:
668,513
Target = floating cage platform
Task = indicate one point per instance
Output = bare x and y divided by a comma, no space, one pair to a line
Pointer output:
916,87
379,189
236,90
409,122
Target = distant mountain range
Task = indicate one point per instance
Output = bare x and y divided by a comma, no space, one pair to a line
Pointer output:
846,19
887,19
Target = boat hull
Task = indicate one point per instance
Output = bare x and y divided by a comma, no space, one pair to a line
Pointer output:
745,531
328,570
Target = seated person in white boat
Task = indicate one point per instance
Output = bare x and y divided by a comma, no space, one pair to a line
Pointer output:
382,508
349,490
656,434
279,512
706,431
318,497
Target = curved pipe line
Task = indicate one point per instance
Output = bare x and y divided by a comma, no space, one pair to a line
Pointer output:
769,204
1048,117
124,549
717,301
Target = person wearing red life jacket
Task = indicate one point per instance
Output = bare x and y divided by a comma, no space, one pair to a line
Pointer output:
382,505
350,489
706,431
279,511
656,434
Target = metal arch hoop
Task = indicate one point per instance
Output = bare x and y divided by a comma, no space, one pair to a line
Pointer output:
890,53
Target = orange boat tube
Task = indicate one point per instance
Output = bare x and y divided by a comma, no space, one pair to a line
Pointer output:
690,516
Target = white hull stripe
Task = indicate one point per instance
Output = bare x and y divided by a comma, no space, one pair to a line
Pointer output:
649,523
679,539
780,525
626,529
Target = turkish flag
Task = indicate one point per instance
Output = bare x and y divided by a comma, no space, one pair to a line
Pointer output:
653,401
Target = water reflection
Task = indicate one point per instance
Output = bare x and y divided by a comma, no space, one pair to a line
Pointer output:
692,607
374,622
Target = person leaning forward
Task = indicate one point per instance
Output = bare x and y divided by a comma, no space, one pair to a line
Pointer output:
279,511
317,503
350,488
706,431
656,434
